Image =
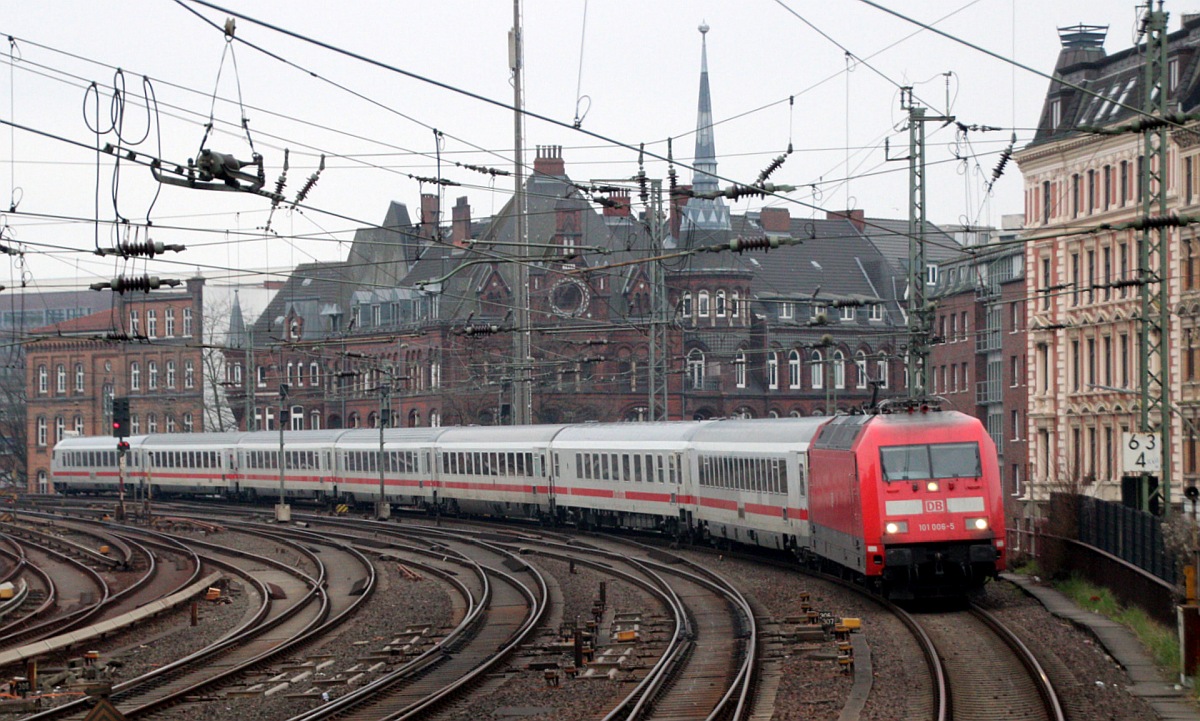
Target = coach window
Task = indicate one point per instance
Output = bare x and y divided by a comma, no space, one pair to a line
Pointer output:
626,475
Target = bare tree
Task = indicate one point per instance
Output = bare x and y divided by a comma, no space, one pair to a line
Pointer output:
218,415
12,418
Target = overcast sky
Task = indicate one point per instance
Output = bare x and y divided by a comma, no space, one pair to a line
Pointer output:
637,63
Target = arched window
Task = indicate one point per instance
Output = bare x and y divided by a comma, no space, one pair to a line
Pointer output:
135,376
300,374
79,378
237,373
170,423
860,362
60,379
435,419
353,421
151,423
170,374
794,369
695,368
414,418
291,373
839,370
43,379
79,425
297,418
702,304
60,428
735,304
314,420
881,366
772,370
721,304
314,373
685,305
739,369
772,413
41,430
817,370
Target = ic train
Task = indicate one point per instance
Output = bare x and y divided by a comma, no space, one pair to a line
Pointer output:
910,502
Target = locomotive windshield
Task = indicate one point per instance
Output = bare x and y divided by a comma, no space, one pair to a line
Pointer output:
942,460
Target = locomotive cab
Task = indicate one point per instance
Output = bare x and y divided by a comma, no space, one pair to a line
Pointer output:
911,502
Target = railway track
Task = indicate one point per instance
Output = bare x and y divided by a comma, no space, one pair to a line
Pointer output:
272,630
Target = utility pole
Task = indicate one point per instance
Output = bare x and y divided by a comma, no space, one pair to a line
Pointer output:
1155,310
656,408
283,512
383,509
251,376
522,397
919,310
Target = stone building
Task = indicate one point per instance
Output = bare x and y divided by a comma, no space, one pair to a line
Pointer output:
1084,305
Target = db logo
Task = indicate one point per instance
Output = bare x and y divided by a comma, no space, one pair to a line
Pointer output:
935,506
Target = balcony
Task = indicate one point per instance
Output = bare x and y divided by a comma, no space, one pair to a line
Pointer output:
989,392
988,340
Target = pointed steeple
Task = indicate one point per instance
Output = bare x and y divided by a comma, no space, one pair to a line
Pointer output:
706,150
703,213
237,325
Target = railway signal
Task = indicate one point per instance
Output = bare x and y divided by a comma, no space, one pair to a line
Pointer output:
120,418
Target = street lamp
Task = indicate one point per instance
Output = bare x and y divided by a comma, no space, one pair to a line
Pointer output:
283,512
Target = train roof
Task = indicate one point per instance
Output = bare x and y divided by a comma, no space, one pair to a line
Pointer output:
677,431
760,430
502,434
107,443
370,436
168,441
262,438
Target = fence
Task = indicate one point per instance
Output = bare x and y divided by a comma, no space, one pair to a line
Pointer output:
1133,536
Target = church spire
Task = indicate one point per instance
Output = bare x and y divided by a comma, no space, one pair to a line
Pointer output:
703,213
706,151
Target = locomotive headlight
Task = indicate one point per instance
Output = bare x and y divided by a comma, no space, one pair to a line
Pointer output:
896,527
977,524
932,486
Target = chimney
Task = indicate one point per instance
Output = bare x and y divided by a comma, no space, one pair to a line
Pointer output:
678,201
622,209
430,214
856,217
775,220
549,160
460,230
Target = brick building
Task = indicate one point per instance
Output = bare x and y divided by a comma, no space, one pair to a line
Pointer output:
425,309
147,347
979,357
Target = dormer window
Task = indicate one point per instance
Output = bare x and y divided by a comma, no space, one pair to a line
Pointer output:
1055,113
1173,74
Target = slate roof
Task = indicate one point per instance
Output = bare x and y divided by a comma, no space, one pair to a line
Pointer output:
1117,79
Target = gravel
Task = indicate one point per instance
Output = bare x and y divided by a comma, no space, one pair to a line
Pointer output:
397,603
1090,683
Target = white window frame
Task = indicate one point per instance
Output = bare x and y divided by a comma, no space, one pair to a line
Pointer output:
702,306
151,375
151,323
43,379
860,363
719,301
169,321
839,370
60,378
773,370
847,312
794,369
739,369
817,370
189,374
187,322
876,312
787,311
171,374
135,376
